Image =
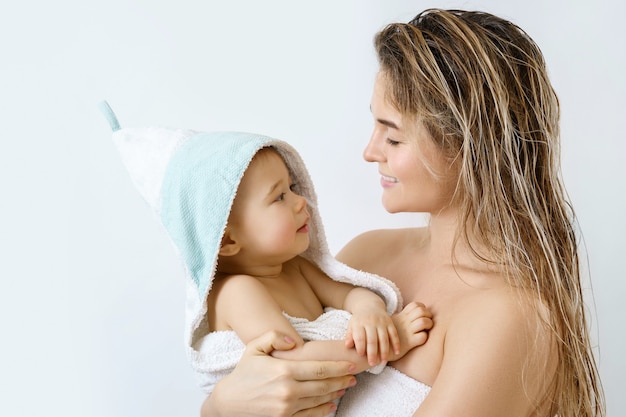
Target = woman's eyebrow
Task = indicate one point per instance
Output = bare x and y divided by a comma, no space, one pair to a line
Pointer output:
388,123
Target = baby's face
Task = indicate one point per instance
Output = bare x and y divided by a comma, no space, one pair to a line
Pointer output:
269,218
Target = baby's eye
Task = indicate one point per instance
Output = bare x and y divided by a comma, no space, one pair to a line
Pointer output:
280,197
294,188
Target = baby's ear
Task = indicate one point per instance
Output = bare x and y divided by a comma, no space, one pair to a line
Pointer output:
229,246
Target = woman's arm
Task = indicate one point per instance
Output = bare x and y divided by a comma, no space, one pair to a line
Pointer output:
327,350
262,386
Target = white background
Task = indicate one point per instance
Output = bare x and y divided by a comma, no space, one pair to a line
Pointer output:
91,293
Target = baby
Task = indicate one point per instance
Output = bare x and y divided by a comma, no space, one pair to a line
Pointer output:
262,282
242,213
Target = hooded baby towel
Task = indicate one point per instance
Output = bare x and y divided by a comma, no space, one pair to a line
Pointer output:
190,180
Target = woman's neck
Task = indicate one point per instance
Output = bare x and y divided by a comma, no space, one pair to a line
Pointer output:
447,242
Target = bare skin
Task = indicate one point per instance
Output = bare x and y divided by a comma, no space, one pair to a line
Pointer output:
480,327
484,356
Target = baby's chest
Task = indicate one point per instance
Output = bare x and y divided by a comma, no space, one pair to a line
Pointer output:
296,298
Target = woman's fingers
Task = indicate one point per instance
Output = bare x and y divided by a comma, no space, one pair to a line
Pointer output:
319,384
262,385
269,342
319,411
328,389
311,371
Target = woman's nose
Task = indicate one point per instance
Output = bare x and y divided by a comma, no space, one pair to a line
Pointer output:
372,152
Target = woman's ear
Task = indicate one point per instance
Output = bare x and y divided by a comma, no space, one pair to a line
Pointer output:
229,246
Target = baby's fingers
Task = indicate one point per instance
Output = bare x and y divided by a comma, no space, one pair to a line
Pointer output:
372,346
360,340
383,344
415,310
349,339
394,337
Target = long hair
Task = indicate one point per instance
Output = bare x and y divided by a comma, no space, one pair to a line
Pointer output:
479,84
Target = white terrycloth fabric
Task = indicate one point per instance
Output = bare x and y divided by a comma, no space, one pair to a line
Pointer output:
190,180
147,161
226,348
391,393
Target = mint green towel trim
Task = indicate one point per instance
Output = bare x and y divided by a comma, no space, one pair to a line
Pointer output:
198,190
107,111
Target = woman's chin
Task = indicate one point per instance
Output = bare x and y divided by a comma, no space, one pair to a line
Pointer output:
390,207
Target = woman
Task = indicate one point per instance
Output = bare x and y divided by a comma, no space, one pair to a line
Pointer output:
466,129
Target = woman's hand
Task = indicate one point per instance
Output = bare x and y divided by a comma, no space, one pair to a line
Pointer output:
262,386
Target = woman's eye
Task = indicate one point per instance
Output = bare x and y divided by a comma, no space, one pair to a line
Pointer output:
392,142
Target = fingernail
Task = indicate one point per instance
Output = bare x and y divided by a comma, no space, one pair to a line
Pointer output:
352,368
289,339
352,382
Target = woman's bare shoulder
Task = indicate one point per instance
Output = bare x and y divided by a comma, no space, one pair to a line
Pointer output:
376,243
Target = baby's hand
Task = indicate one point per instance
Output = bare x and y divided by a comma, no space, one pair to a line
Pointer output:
412,325
372,332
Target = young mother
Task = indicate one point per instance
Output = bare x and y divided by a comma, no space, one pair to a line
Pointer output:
466,128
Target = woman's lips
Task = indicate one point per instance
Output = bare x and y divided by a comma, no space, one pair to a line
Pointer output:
387,181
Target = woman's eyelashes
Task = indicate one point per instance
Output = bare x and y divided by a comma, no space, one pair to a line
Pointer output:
392,142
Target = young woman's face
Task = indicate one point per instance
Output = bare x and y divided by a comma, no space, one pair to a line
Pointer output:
414,174
268,219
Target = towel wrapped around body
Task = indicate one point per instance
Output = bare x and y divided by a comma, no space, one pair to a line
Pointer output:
390,393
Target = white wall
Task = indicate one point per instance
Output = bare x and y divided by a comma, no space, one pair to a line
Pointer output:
91,294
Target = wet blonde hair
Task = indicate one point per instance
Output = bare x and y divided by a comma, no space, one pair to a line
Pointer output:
479,84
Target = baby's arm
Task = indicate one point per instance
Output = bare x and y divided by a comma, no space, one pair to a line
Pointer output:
371,329
243,304
411,323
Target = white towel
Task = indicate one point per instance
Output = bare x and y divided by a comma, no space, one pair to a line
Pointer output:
378,395
226,348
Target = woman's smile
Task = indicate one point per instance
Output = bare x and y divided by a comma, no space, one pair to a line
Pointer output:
387,181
